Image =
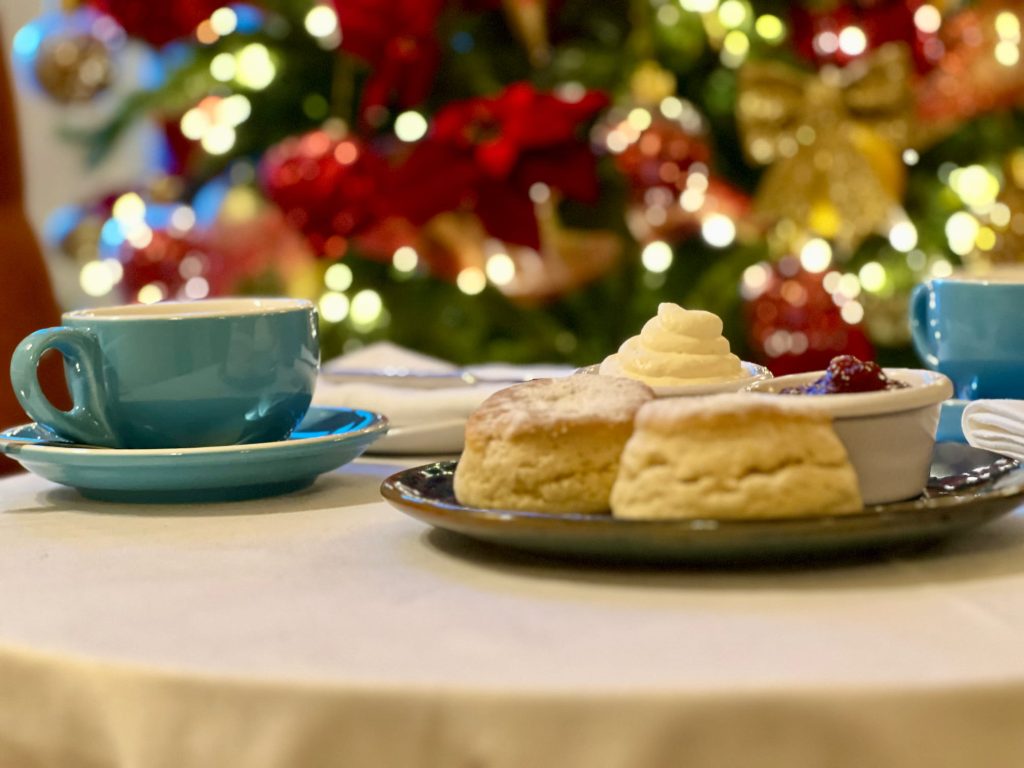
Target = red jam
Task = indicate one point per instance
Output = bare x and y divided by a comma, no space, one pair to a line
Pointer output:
847,374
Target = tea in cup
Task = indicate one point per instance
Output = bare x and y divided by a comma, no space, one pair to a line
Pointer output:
177,374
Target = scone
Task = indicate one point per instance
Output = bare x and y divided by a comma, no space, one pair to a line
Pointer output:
733,456
549,445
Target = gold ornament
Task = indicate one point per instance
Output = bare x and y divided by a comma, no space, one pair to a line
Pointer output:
650,83
832,141
529,22
1000,241
73,68
567,259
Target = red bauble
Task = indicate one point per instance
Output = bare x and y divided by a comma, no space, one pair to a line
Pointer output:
661,156
161,21
168,261
671,187
816,33
329,185
793,323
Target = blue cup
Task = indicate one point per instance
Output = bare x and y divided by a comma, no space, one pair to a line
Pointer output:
177,375
971,329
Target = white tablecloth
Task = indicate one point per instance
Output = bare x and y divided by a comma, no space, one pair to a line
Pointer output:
327,629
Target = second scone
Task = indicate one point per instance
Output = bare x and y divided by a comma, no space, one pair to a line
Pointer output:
733,456
548,445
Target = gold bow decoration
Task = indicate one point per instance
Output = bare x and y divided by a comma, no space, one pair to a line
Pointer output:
567,260
832,141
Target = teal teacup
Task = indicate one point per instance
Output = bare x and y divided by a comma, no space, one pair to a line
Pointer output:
970,329
177,374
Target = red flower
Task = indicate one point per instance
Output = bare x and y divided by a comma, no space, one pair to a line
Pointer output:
396,38
158,22
485,154
329,186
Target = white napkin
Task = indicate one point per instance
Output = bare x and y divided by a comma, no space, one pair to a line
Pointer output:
425,418
995,425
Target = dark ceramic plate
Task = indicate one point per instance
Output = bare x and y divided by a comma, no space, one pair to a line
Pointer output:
969,487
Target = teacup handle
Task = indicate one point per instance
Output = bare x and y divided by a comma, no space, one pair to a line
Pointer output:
88,420
920,332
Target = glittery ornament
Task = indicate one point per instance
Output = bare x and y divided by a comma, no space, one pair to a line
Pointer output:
162,266
566,260
666,164
529,21
793,323
650,83
1000,241
981,69
328,184
73,68
832,141
81,241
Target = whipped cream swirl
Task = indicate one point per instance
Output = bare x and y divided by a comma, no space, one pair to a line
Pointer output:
676,347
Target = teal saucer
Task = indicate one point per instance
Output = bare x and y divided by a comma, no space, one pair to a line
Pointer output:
326,439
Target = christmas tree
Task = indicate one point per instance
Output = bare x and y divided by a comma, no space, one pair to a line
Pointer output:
528,179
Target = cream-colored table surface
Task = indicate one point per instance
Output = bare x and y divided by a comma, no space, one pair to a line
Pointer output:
326,629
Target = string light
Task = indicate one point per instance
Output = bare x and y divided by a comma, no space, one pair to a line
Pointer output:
656,256
928,19
333,306
128,208
500,268
848,286
671,107
224,21
1007,53
735,47
699,6
256,69
321,21
975,185
903,236
852,312
150,293
223,67
732,14
218,139
639,119
410,126
961,232
826,43
97,278
816,255
853,41
754,281
540,192
196,288
668,15
830,282
718,230
338,277
366,308
770,28
872,277
405,258
471,281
